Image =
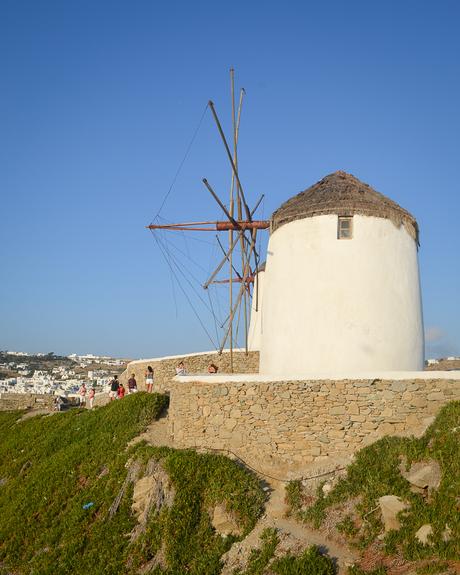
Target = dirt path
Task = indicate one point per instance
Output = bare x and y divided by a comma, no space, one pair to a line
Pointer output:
294,537
156,434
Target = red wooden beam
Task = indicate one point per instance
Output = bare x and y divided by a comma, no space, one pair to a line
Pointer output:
213,226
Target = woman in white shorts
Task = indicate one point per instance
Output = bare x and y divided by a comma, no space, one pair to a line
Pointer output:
149,379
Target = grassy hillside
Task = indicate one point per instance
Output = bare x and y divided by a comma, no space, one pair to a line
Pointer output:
66,500
61,474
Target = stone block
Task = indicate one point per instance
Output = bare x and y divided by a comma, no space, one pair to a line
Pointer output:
419,401
412,420
436,396
230,423
390,506
358,418
353,409
223,522
370,425
424,474
337,410
424,533
399,386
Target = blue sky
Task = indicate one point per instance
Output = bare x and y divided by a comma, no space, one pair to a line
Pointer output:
99,100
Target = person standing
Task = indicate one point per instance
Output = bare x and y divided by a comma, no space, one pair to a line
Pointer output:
149,379
121,391
113,393
82,392
91,394
132,384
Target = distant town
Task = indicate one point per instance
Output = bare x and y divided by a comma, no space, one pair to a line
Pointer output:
47,373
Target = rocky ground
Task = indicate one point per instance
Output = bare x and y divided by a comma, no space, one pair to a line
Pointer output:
294,536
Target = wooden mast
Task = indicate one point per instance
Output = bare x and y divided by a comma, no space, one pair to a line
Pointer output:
230,233
239,224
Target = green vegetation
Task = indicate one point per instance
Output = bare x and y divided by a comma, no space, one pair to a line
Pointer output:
51,467
261,561
260,558
375,473
355,570
310,562
433,568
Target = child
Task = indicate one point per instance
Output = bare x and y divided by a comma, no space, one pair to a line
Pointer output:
121,391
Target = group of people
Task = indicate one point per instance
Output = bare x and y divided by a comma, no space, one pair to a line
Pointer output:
82,393
118,390
180,369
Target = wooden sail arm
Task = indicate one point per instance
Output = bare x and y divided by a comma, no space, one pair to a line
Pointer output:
213,226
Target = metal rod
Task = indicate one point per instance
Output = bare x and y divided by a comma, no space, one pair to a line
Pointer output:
230,321
240,294
228,258
240,188
220,266
230,233
240,216
216,197
238,279
258,204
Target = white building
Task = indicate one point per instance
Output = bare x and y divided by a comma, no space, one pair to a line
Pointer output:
341,290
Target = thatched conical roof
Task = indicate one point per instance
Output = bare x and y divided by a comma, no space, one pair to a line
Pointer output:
343,194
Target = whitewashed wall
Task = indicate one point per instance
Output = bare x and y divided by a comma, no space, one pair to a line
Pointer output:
255,326
351,305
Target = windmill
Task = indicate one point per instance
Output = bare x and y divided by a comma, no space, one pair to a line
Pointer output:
241,228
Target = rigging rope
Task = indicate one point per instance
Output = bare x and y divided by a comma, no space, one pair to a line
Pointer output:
182,162
181,268
215,317
173,260
184,292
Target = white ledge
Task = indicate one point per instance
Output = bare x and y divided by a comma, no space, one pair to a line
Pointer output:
259,378
184,355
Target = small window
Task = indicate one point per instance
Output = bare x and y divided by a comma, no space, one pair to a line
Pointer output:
345,228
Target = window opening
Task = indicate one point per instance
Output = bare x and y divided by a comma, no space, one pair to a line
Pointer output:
345,228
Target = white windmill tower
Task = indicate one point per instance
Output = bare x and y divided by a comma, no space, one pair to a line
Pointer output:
341,290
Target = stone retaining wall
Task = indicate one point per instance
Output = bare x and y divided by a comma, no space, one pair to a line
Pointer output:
165,368
14,401
284,424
